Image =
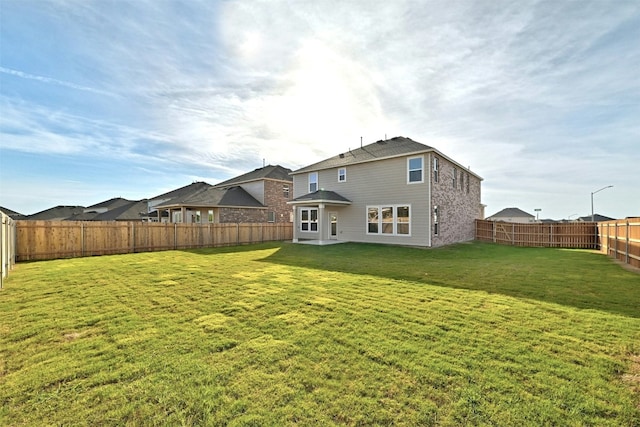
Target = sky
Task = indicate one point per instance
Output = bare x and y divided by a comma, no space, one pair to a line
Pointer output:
114,98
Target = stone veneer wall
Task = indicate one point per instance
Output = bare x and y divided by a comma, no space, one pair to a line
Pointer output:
457,209
275,201
242,215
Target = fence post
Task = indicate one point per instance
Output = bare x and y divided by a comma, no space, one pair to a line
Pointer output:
626,249
82,238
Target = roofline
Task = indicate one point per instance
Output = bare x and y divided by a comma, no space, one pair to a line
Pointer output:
412,153
187,206
237,183
316,201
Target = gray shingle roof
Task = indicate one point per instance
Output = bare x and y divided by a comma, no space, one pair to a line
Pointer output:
268,172
183,191
213,196
397,146
56,213
110,204
511,213
132,211
322,196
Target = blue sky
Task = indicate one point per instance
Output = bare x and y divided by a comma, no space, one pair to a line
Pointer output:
102,99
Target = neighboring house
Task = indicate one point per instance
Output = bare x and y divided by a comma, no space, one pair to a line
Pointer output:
182,192
215,205
57,213
272,186
396,191
596,218
12,214
512,215
257,196
91,213
133,210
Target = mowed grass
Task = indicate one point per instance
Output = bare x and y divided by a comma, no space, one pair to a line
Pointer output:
351,334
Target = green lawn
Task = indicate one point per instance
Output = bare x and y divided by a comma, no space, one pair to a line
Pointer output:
351,334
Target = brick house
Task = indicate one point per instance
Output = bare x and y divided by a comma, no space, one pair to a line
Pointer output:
257,196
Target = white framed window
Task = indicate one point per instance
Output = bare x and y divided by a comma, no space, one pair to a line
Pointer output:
210,215
309,219
342,175
176,216
392,220
198,217
436,166
285,191
271,216
415,170
455,177
435,221
313,182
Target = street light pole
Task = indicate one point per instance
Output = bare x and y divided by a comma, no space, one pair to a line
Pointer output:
594,192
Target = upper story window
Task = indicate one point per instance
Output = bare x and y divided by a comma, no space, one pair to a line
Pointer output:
414,170
342,175
313,182
436,167
285,191
455,177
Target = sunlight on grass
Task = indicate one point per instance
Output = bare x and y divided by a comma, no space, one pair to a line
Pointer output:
275,334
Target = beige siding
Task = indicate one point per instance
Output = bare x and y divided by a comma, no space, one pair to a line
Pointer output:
374,183
256,189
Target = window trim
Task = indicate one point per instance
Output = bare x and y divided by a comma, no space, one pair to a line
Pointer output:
436,169
436,227
314,181
309,221
343,175
271,216
285,191
380,223
409,170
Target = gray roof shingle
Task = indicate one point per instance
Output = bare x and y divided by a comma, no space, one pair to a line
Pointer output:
397,146
321,196
511,213
213,196
268,172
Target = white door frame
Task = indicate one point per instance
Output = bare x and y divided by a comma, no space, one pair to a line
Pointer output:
332,236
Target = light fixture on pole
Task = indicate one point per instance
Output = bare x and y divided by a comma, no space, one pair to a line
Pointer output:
594,192
537,212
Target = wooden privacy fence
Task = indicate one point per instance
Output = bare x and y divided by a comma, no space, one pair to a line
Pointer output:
552,235
7,246
621,240
39,240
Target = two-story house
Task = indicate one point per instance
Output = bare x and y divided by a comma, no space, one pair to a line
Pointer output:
396,191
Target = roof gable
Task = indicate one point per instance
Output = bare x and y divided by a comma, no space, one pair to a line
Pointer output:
394,147
511,213
213,196
276,172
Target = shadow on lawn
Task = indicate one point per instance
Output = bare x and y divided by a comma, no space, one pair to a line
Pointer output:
576,278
